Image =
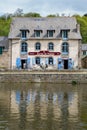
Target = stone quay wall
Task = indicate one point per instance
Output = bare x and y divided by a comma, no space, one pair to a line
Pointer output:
49,77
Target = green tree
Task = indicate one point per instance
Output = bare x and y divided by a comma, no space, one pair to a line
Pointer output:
18,12
82,20
51,15
32,14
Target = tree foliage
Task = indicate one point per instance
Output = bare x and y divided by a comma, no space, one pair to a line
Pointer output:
82,20
18,12
51,15
4,26
32,14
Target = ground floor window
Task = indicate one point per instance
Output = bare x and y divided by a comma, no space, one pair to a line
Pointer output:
37,60
50,60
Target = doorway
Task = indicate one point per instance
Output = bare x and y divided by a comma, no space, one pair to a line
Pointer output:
65,64
23,63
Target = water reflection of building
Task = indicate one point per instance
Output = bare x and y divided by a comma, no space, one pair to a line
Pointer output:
14,103
59,104
43,106
73,106
30,105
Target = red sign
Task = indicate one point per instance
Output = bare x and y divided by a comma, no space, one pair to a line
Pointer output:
44,53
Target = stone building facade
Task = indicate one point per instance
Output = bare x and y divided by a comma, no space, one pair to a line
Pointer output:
4,52
45,43
84,55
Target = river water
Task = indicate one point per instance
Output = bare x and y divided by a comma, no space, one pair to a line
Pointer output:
27,106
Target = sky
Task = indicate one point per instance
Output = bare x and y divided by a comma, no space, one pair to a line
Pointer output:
45,7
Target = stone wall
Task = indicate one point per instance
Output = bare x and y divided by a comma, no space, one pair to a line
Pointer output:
38,77
4,60
84,62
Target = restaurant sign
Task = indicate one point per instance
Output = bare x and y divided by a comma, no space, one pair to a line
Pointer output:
44,53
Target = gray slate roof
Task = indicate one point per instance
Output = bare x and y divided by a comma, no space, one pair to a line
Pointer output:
4,42
57,24
84,47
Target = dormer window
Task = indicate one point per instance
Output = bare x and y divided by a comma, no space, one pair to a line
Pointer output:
24,33
50,33
37,33
64,34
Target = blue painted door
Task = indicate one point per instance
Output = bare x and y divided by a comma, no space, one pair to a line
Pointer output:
60,63
18,63
70,63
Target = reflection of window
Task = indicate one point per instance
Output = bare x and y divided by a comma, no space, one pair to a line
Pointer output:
24,47
50,61
37,60
50,33
65,48
64,34
38,46
51,46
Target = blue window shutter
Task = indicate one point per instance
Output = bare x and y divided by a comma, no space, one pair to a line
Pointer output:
59,63
18,62
33,61
70,63
28,60
41,60
54,61
47,61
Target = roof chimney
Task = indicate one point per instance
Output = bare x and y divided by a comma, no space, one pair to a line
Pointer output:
78,27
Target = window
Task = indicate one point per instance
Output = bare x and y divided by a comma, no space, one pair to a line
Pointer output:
65,48
37,33
50,33
64,34
38,46
51,46
50,61
37,60
1,50
24,33
24,47
84,52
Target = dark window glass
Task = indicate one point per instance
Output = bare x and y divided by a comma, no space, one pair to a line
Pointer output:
51,46
64,34
24,47
84,52
38,46
24,34
50,61
1,50
37,60
65,48
50,33
37,33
